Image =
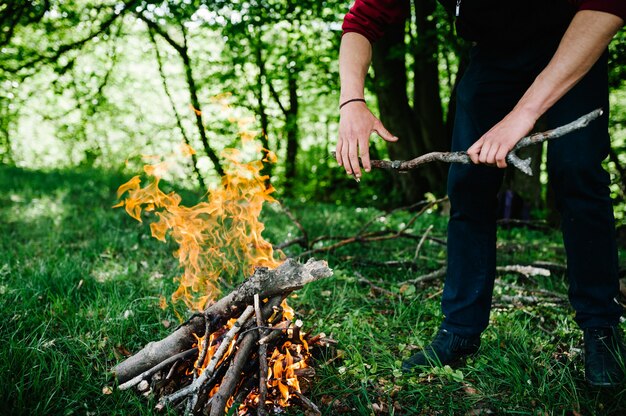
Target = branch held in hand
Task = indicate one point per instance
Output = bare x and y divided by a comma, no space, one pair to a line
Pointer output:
512,158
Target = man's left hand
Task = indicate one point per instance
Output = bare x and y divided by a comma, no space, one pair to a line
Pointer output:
493,146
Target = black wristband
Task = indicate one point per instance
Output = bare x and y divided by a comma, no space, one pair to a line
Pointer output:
351,101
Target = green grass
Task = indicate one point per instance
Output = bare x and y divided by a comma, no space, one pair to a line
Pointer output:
79,280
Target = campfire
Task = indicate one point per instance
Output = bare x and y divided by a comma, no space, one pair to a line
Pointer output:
246,349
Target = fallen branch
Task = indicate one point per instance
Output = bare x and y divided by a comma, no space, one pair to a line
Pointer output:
508,300
374,287
421,242
542,292
363,236
512,158
526,271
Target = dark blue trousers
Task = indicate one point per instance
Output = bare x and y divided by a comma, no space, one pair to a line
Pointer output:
493,83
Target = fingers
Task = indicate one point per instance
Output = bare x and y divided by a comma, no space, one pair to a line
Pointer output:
345,157
364,152
383,132
338,152
501,158
349,151
474,151
353,154
356,125
488,153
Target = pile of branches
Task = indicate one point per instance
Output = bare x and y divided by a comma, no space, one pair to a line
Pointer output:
244,349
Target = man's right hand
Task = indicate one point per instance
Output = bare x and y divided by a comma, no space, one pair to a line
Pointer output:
356,124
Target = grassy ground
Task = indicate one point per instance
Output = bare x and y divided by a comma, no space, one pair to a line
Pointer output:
80,283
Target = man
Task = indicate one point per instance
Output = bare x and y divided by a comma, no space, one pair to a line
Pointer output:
529,59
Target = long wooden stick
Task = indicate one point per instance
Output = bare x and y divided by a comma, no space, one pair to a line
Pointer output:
195,386
136,380
512,158
261,411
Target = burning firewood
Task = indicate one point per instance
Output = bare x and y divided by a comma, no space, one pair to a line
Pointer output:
246,348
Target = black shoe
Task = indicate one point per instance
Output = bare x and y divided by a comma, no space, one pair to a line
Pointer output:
605,355
446,348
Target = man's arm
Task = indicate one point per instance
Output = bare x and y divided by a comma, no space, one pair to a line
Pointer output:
585,40
356,122
364,24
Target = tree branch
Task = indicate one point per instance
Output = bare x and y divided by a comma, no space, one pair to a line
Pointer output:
104,26
511,158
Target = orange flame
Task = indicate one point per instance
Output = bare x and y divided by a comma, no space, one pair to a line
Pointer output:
217,239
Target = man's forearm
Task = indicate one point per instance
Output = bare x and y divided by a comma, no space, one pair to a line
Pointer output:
354,60
584,41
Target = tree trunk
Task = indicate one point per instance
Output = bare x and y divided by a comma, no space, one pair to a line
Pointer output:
262,110
291,122
396,114
426,94
179,124
195,102
291,126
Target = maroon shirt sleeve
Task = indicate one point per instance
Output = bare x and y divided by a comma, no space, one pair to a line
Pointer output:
616,7
371,17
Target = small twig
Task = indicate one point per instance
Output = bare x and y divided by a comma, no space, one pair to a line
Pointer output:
526,271
437,274
308,403
172,369
553,267
300,241
528,300
262,359
375,236
191,403
511,158
408,264
421,242
136,380
278,330
544,292
297,223
362,237
205,345
434,295
424,204
374,288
